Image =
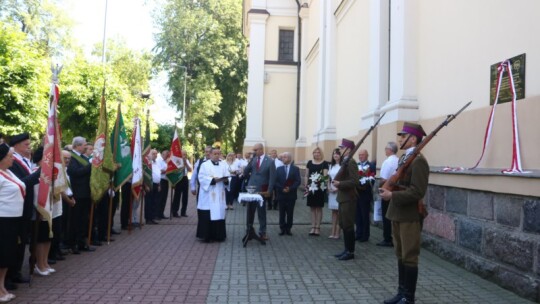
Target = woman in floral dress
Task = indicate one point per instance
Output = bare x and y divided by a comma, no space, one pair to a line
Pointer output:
317,175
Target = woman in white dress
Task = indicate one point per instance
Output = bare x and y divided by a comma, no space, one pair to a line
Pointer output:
332,194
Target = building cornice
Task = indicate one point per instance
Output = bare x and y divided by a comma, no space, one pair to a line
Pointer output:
277,62
258,11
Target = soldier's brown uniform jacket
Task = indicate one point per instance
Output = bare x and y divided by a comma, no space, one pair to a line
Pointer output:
347,186
404,204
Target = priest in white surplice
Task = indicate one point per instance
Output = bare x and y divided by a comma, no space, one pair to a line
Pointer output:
213,178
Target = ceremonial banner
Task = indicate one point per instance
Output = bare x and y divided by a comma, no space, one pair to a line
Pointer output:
121,151
175,164
147,165
102,162
136,151
52,180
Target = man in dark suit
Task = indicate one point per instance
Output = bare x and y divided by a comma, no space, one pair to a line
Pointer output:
286,186
79,170
181,189
262,171
365,196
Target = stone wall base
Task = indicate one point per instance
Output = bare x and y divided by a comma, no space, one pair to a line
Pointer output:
493,235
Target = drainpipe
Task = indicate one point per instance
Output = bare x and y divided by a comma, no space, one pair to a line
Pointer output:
298,67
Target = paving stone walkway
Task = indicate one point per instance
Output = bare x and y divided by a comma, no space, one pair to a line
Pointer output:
165,264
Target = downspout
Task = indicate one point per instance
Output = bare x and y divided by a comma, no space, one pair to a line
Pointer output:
298,67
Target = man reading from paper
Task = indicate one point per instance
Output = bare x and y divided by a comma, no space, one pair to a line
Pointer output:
213,178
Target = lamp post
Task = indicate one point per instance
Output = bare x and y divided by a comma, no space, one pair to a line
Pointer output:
145,96
199,143
184,106
183,118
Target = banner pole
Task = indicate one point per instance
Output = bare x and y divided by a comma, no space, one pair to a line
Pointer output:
141,211
130,212
171,202
109,217
90,222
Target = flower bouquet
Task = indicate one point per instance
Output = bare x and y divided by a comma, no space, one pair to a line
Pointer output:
318,182
366,175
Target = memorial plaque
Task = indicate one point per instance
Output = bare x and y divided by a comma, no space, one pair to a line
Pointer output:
518,72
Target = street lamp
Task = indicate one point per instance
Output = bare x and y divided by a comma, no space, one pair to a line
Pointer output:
184,106
183,118
145,96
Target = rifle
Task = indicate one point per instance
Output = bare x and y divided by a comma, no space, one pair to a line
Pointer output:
345,159
391,183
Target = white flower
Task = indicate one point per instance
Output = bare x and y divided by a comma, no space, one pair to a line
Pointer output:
313,187
365,179
315,176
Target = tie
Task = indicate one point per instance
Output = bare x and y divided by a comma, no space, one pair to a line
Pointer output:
286,171
26,162
258,162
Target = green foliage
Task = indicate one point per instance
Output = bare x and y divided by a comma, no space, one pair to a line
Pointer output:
44,21
134,68
34,31
126,74
165,134
206,37
24,84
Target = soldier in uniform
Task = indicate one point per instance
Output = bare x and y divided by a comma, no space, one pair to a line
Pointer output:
346,197
404,214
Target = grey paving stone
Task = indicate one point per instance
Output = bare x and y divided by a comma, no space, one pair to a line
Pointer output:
313,275
165,264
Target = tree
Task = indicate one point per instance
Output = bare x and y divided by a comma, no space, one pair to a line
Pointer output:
206,37
24,84
44,21
32,32
125,74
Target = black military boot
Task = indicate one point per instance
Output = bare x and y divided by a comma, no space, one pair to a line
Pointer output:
411,276
349,240
401,286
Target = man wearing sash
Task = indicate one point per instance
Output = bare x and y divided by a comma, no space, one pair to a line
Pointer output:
213,178
79,170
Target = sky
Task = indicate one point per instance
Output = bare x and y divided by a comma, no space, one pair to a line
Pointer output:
131,20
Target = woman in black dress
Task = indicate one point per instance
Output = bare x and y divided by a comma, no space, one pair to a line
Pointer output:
317,175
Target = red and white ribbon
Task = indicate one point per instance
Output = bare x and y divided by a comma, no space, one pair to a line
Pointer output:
516,155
